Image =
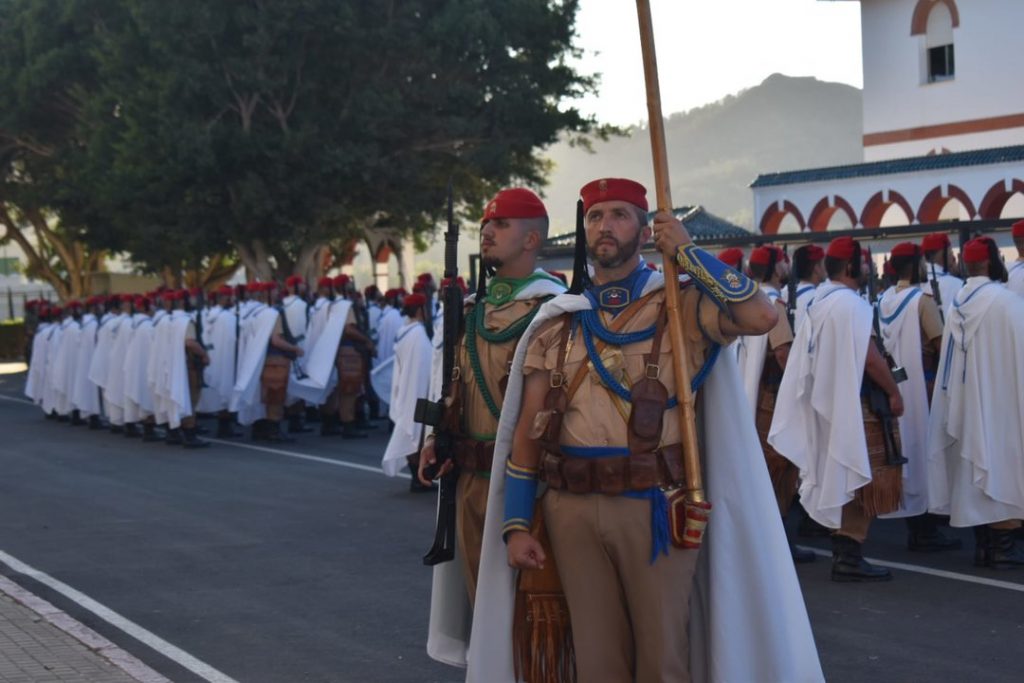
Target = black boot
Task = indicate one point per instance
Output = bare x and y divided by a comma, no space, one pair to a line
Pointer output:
312,415
76,419
226,429
849,565
116,429
296,426
364,424
192,441
923,535
329,426
801,555
350,431
274,434
95,422
259,430
810,529
981,546
131,430
174,437
149,433
1004,551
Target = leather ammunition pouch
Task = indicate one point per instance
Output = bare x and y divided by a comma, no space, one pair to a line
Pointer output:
614,475
474,456
351,373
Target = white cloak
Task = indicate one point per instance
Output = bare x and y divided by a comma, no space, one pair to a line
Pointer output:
157,372
114,396
172,401
411,381
99,366
818,424
138,400
63,376
899,321
750,355
949,285
49,391
387,330
320,361
976,433
219,330
746,597
1016,281
36,380
85,395
257,327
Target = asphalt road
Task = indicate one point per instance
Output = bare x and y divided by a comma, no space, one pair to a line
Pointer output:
271,567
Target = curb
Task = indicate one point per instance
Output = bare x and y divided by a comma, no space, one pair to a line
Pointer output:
82,633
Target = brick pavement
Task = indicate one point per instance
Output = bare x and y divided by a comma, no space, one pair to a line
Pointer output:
37,646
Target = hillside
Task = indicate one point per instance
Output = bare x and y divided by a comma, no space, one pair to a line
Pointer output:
715,151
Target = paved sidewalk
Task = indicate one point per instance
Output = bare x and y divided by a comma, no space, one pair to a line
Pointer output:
37,646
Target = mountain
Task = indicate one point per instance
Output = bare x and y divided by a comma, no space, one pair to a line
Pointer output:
717,150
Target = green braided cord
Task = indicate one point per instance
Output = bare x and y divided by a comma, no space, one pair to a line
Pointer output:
474,327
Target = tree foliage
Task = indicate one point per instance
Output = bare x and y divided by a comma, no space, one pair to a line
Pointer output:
178,131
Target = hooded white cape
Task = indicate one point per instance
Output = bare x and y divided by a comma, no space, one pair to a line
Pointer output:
138,400
901,333
748,620
411,381
257,327
976,432
99,366
319,363
62,379
949,285
85,395
818,425
36,380
219,330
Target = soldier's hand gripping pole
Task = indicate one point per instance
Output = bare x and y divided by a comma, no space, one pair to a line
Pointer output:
687,415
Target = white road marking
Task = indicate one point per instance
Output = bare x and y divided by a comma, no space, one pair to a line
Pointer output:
172,652
313,458
941,573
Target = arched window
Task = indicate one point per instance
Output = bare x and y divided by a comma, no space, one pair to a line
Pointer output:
936,19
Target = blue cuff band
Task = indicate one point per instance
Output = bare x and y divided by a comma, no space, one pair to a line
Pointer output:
723,284
520,494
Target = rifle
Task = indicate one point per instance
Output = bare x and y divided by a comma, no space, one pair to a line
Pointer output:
238,330
443,414
286,329
198,362
791,300
877,399
937,294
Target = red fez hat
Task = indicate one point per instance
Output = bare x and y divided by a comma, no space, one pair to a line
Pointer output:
905,249
195,291
842,248
935,241
44,308
32,304
73,304
294,280
514,202
1018,229
56,310
424,277
732,256
370,290
814,252
269,286
419,287
141,301
253,287
341,280
414,300
612,189
761,256
458,281
92,301
225,290
325,281
976,251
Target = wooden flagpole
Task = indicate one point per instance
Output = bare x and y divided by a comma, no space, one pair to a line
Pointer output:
687,414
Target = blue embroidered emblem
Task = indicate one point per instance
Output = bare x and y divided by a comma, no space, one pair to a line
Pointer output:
614,297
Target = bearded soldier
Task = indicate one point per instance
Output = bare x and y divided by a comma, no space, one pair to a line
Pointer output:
809,271
513,229
942,268
591,410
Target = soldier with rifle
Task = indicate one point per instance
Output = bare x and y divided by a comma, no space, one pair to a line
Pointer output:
910,326
943,270
844,440
513,229
807,273
295,317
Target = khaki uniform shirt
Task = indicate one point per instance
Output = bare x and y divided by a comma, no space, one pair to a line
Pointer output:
782,333
596,416
494,361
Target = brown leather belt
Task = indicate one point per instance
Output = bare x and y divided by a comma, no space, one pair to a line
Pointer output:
616,474
474,456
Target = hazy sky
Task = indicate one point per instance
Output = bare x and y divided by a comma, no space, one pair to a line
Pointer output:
708,49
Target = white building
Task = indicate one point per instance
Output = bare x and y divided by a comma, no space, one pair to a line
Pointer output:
943,124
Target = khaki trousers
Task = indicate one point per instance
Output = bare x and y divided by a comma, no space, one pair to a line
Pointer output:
470,510
274,385
854,522
629,617
195,390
